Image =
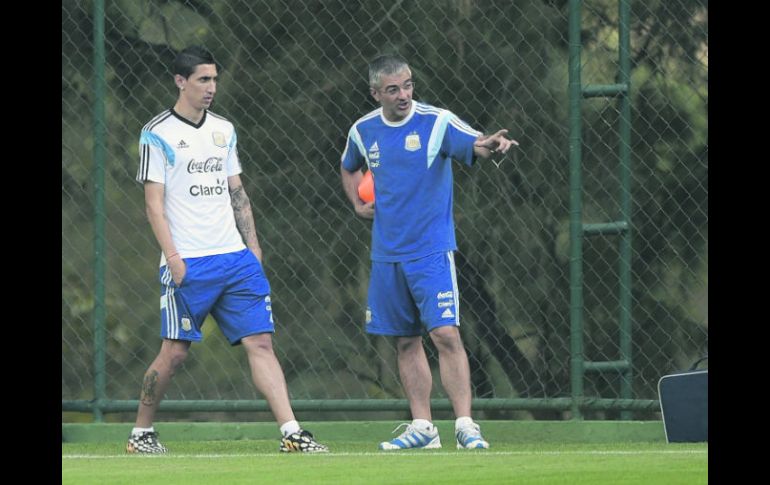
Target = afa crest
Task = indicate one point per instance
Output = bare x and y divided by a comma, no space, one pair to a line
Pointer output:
219,139
412,142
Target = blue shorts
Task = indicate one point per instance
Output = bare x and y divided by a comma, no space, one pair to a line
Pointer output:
410,297
232,287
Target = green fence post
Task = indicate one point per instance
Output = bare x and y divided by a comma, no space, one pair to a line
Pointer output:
575,213
625,195
98,181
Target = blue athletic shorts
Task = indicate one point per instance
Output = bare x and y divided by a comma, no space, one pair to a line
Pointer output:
408,298
232,287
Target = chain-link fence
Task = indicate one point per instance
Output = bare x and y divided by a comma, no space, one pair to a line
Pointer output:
294,79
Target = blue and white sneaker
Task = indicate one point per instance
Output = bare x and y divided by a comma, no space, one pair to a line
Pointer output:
469,438
413,438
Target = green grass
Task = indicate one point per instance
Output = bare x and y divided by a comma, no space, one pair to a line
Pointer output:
353,462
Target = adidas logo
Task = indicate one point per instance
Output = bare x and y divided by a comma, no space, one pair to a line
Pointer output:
447,313
374,152
182,144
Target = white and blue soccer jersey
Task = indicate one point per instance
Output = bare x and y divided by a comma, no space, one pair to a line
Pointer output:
193,162
411,163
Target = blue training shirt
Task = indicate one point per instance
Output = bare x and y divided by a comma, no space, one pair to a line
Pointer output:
411,163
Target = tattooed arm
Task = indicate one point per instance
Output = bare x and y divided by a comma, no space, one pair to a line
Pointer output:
244,219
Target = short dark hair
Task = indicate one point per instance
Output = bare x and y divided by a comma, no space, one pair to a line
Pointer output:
185,62
387,64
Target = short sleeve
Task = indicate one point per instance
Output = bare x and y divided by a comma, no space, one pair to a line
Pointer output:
233,163
458,140
352,158
154,154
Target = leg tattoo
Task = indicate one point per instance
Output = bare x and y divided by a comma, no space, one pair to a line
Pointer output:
148,387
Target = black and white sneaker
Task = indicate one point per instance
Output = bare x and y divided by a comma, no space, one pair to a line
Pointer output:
302,441
146,442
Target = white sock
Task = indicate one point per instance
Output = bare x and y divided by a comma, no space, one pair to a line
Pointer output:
463,422
136,431
423,424
289,427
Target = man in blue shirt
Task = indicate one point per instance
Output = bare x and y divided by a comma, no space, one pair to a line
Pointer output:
409,147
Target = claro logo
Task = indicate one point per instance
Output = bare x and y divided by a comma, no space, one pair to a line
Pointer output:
209,190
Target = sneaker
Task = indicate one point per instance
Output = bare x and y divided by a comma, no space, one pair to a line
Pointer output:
146,442
302,441
470,438
413,438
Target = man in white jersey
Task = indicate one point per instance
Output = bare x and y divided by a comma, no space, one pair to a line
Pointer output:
409,146
211,261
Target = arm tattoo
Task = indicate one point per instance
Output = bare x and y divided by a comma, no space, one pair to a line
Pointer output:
148,387
244,220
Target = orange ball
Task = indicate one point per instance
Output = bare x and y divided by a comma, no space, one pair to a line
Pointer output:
366,187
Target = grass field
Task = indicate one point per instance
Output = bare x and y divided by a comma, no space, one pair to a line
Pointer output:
351,462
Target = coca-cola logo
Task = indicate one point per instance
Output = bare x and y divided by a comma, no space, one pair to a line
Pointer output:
212,164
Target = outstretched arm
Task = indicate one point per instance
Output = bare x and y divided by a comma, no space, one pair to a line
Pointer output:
493,146
244,219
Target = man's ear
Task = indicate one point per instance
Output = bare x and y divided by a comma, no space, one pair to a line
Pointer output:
374,94
180,81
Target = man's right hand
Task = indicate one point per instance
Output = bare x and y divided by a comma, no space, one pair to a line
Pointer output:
365,210
178,269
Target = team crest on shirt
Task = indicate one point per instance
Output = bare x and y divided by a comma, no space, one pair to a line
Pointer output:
412,142
219,139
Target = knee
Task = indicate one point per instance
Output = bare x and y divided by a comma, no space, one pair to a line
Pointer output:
174,353
258,344
407,345
176,358
447,339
